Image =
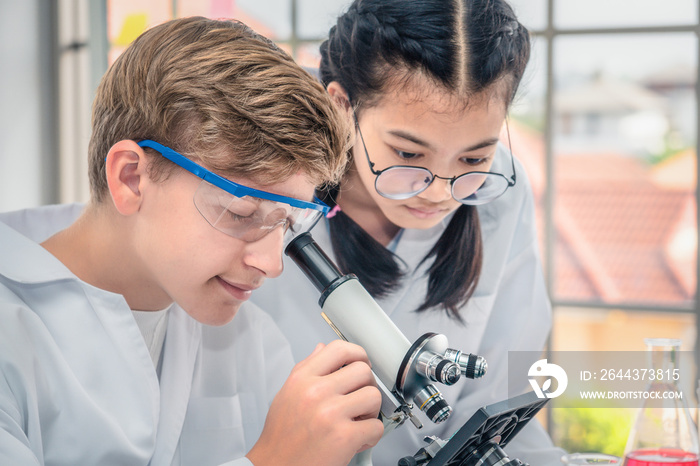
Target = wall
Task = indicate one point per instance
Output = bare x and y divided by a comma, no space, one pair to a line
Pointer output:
27,138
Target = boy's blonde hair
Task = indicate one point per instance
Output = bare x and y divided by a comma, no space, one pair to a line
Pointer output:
218,92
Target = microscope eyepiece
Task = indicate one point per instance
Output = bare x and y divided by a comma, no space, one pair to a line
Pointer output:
315,264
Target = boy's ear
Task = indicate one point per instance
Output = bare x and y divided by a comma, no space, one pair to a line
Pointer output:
339,95
126,170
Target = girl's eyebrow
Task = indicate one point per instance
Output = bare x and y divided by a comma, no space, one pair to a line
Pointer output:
410,137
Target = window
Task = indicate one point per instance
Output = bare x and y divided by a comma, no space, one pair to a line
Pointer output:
609,121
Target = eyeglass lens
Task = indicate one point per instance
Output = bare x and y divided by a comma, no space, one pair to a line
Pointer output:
250,218
470,188
479,188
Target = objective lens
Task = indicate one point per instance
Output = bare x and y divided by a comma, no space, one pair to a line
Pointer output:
472,366
437,368
431,402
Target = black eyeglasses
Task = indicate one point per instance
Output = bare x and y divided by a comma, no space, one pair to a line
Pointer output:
472,188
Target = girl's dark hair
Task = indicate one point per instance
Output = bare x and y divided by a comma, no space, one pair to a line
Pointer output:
466,47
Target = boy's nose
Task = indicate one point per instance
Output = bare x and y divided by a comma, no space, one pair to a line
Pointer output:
265,254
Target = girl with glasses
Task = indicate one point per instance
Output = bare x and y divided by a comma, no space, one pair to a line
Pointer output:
433,215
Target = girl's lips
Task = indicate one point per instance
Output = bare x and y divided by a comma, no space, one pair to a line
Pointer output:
424,213
240,292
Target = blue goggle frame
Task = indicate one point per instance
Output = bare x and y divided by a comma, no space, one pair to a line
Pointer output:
229,186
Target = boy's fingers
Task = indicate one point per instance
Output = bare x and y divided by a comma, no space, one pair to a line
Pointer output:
364,403
318,348
335,355
353,377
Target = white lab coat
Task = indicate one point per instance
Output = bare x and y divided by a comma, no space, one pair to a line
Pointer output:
77,383
509,311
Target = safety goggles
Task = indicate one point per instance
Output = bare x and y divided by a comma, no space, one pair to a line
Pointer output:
240,211
472,188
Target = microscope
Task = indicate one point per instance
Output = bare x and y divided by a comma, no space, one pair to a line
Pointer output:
406,372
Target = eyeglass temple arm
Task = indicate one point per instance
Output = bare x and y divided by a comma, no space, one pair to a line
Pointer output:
364,146
511,183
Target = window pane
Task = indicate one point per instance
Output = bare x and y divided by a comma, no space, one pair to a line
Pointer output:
616,13
594,332
588,329
271,18
308,55
532,13
624,145
526,125
126,19
316,17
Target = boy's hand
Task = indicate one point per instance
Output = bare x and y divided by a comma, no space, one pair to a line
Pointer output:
325,412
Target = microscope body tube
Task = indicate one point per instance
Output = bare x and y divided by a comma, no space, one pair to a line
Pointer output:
351,311
357,318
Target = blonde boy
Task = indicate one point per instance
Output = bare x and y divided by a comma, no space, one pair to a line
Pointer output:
118,342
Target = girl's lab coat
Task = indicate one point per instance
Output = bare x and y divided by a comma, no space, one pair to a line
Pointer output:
509,311
77,384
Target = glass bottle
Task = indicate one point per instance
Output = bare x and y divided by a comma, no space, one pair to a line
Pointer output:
663,433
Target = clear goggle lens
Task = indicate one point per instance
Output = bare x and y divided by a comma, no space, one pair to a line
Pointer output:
474,188
250,218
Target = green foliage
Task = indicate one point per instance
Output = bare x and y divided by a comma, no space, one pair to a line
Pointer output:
666,154
582,429
673,145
